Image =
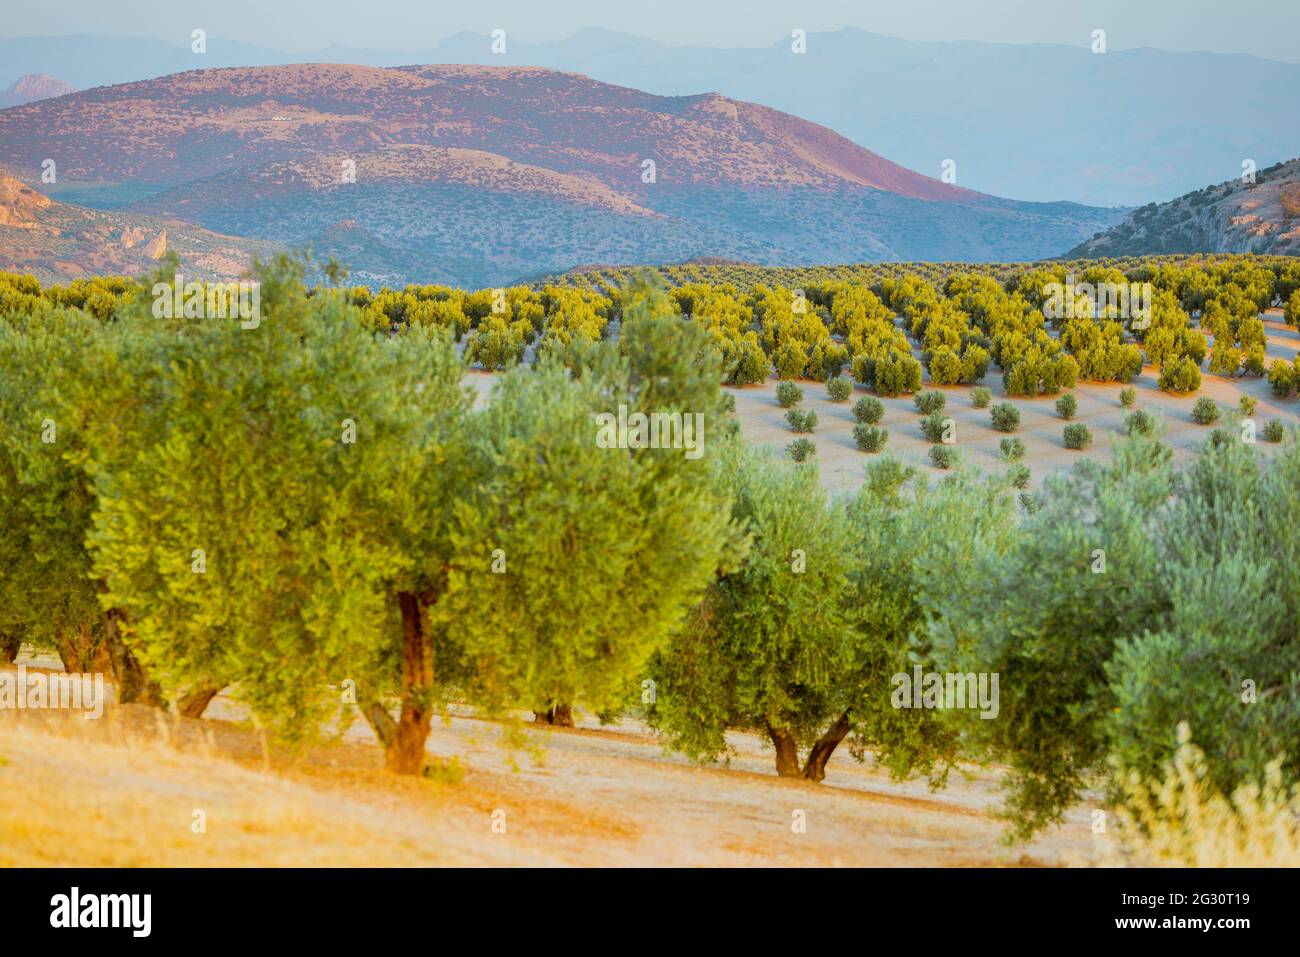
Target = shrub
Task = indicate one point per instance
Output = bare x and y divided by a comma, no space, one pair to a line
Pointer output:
1012,450
897,374
802,420
1128,397
933,425
980,397
1225,359
800,449
931,400
1077,436
1246,405
1067,406
868,409
1006,417
788,394
943,456
1180,375
1205,411
839,389
1274,430
1018,473
870,438
1291,312
1281,377
1140,422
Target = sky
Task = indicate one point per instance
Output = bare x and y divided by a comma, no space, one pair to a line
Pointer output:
1265,28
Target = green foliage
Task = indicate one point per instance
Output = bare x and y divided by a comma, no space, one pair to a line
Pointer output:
1246,405
1018,475
1077,436
868,410
788,394
1205,411
1274,431
1067,406
801,449
943,456
1005,417
802,420
1291,311
980,397
930,401
1140,422
1011,450
1180,375
896,374
1127,397
769,644
933,427
1282,378
870,438
839,389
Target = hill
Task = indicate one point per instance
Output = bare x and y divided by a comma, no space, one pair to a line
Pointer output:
1231,217
1011,114
479,175
56,242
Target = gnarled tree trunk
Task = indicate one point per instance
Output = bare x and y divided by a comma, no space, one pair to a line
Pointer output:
787,752
380,721
815,767
69,654
133,684
406,752
9,646
195,702
561,715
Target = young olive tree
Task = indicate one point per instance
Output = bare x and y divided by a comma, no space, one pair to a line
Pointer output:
766,647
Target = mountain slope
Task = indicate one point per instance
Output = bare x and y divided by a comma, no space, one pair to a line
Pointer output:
1232,217
482,174
1014,117
56,242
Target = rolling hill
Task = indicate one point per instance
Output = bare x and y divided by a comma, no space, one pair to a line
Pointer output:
1231,217
480,175
1033,121
56,242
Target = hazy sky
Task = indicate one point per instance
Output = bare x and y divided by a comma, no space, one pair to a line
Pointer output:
1266,28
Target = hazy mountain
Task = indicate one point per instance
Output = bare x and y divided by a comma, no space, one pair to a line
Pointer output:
1030,121
33,87
1232,217
482,174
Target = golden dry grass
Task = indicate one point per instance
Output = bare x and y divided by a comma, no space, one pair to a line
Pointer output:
1185,821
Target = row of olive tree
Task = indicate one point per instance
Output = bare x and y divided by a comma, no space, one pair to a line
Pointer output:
1131,597
308,504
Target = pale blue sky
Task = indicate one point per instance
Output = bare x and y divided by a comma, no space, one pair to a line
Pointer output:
1266,28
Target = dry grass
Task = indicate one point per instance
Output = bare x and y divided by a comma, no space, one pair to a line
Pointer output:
1185,821
71,795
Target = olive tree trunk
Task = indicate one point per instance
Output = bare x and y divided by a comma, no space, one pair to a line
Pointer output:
406,748
815,767
787,752
133,683
561,715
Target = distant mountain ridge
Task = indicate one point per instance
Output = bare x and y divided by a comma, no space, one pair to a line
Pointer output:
1040,122
479,175
1232,217
33,87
